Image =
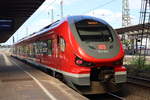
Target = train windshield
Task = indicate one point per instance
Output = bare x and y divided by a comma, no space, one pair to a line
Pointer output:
94,31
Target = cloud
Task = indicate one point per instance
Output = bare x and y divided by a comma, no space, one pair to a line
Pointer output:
135,4
114,18
65,2
37,26
134,20
57,2
68,2
46,6
33,27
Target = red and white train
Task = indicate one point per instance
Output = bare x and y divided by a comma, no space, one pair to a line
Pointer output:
85,51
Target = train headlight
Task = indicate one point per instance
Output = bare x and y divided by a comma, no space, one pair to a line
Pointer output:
81,62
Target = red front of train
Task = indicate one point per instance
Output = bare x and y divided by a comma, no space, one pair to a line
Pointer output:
85,50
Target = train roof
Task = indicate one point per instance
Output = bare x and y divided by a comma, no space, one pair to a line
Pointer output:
71,19
78,18
43,30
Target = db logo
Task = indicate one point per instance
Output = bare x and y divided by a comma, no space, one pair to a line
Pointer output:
102,47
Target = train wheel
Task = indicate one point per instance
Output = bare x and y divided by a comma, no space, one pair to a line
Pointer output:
60,77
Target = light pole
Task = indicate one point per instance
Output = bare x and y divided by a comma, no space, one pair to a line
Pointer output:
61,8
52,15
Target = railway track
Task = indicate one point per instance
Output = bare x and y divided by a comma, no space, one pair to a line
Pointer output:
106,96
139,81
116,96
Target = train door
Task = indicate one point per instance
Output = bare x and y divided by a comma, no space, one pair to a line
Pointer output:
62,58
38,52
45,52
55,52
49,56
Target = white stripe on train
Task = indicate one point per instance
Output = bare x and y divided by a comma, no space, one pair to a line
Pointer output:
60,71
121,73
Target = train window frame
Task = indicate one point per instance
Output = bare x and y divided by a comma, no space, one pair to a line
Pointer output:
33,49
30,50
39,48
62,44
49,44
44,47
83,25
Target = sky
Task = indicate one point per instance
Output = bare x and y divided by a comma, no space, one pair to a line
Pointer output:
108,10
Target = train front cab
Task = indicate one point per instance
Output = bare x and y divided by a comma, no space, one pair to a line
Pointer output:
99,49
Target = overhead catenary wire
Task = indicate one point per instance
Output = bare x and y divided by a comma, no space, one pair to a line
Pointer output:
100,6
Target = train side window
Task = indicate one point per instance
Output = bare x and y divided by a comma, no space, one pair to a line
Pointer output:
25,49
38,47
62,44
44,47
49,42
34,49
30,49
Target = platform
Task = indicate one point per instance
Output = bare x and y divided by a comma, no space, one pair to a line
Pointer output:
19,81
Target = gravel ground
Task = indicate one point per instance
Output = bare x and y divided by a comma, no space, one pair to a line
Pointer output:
137,92
129,92
133,71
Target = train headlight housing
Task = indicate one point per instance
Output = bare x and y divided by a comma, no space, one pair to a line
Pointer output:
81,62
